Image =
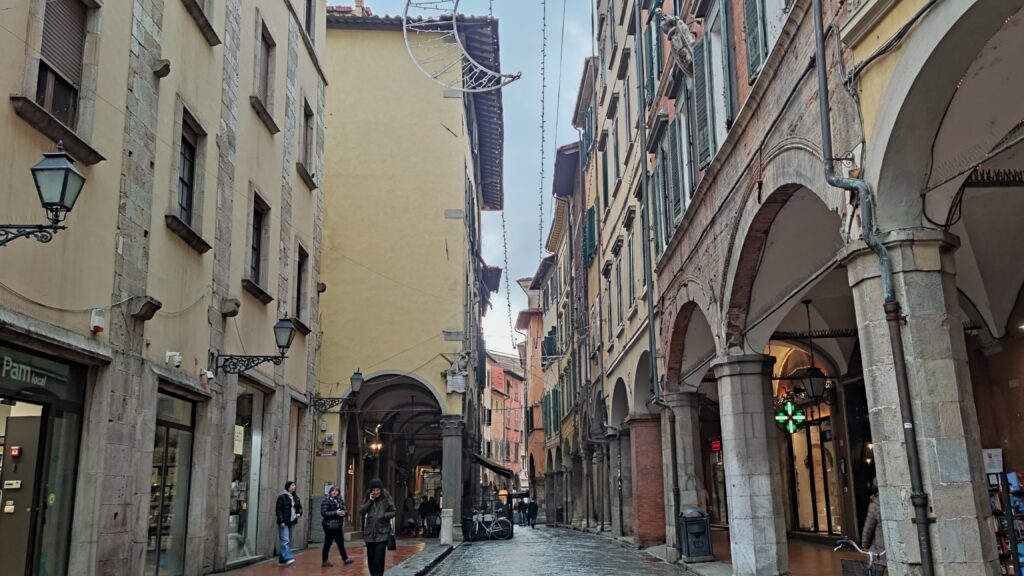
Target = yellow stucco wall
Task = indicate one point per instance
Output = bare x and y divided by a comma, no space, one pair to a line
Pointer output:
394,266
875,78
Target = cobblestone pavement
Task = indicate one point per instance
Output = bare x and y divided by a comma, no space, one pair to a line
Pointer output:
551,552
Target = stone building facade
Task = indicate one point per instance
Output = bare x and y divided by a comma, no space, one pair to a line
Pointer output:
198,229
769,294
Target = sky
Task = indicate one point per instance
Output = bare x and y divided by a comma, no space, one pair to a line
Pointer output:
521,37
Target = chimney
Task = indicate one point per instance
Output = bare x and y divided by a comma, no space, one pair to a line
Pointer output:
360,9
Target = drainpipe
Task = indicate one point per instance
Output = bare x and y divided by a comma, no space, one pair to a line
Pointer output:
893,313
645,220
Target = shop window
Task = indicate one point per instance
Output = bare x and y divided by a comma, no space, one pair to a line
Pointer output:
169,480
243,508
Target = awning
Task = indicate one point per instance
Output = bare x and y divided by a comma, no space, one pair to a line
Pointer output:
493,466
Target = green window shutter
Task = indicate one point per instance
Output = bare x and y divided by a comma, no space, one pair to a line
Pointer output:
591,233
728,80
700,91
675,173
649,63
656,216
604,177
688,139
659,56
752,29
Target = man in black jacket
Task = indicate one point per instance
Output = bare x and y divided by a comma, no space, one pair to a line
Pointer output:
289,510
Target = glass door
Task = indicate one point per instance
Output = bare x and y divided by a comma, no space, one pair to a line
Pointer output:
245,475
169,487
815,479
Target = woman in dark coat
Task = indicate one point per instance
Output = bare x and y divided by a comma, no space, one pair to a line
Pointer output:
377,510
334,511
872,537
288,512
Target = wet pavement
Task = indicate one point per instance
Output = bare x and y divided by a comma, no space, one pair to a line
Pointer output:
552,552
307,562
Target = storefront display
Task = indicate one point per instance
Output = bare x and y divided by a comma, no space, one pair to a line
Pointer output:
245,475
169,480
40,426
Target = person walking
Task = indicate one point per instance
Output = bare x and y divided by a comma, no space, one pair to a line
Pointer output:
377,511
872,538
289,510
531,514
334,511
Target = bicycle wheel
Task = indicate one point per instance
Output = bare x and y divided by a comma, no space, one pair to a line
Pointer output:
502,529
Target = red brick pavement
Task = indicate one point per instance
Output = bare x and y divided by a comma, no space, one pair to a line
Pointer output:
307,562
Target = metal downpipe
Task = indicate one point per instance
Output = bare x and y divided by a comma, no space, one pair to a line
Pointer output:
893,314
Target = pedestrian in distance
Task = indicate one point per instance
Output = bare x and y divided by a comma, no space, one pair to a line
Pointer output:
531,514
377,510
334,511
289,510
872,539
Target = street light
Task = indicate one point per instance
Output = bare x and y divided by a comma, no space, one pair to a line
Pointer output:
284,333
356,381
322,404
58,184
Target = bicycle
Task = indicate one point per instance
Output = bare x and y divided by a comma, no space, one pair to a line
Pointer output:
496,528
856,567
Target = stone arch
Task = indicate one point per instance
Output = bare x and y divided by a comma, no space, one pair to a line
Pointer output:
620,405
642,389
402,375
690,348
807,240
935,57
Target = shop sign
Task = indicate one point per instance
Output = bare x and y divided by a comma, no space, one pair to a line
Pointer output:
326,452
239,447
993,458
18,372
716,445
790,417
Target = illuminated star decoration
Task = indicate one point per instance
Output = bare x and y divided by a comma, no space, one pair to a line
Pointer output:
790,416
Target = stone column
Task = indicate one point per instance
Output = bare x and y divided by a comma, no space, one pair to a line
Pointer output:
648,479
942,402
688,480
604,492
452,428
621,483
757,519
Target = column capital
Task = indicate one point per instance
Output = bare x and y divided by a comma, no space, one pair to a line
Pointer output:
681,399
452,425
643,420
742,365
911,249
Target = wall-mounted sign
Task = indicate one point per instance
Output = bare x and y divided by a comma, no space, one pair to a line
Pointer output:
790,417
326,452
716,445
993,458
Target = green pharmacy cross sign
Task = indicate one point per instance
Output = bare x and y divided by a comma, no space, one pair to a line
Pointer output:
790,416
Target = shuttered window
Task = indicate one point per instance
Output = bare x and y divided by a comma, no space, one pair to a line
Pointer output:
308,138
675,173
604,177
753,30
64,38
649,63
702,102
630,268
60,70
657,204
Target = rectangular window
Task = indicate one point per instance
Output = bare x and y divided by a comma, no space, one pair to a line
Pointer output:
631,269
187,170
608,299
604,178
615,148
264,79
62,52
310,17
260,222
308,138
618,289
301,283
629,110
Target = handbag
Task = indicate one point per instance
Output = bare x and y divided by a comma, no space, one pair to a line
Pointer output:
392,545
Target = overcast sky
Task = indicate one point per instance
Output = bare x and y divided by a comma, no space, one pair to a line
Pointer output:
521,40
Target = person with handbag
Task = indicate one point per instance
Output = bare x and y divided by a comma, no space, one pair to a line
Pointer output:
378,511
334,511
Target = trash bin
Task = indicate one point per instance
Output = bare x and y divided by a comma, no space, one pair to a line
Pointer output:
694,530
559,515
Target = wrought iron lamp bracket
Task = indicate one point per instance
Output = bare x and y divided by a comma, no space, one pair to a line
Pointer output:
237,364
324,404
41,232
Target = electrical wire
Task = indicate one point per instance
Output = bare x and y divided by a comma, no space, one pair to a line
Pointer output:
60,309
543,124
508,288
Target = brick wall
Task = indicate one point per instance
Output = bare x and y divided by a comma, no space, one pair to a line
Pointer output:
648,480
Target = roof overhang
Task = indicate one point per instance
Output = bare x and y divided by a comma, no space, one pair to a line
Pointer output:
557,224
586,93
567,169
523,319
543,269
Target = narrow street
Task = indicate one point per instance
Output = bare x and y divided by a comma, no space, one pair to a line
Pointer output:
551,551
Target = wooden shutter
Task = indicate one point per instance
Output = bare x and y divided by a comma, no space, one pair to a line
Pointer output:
592,231
700,90
656,202
675,154
64,38
659,55
649,63
752,28
728,81
604,177
689,139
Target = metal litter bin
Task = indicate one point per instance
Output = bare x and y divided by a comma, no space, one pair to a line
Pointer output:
559,515
694,533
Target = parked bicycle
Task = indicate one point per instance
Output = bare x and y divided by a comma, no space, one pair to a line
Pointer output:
856,567
490,526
